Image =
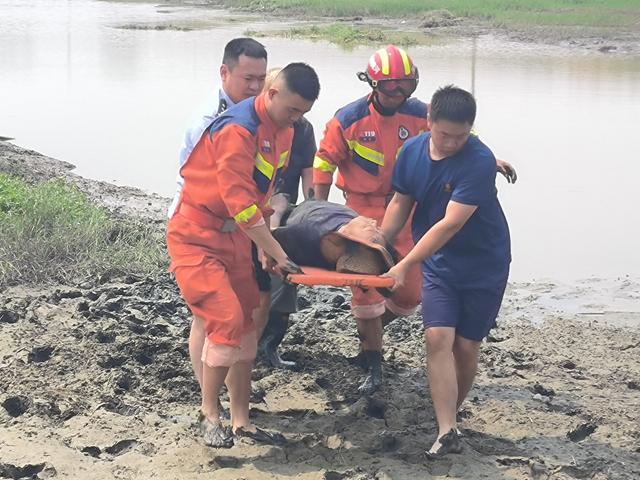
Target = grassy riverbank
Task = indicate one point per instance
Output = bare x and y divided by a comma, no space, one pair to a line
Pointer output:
506,13
340,34
51,232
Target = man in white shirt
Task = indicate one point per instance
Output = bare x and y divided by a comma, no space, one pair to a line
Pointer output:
243,71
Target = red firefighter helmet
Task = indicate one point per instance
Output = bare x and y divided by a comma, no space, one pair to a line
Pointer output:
392,72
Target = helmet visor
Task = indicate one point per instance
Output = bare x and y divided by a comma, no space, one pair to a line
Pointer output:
393,87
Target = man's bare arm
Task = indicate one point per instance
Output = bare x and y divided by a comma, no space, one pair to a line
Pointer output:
436,237
321,190
307,181
396,215
263,239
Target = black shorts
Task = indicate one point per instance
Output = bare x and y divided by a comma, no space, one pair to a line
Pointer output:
263,278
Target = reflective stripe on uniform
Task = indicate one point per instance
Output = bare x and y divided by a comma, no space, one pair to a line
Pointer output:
323,166
366,153
263,166
247,214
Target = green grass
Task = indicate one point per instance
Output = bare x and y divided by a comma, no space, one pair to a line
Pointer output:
500,12
52,232
341,34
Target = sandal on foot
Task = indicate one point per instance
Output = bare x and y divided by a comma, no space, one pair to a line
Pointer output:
449,443
261,436
214,434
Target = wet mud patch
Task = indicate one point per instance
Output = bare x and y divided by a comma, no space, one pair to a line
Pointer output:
133,391
29,471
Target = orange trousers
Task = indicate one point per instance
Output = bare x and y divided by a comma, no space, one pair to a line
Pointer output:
371,304
216,276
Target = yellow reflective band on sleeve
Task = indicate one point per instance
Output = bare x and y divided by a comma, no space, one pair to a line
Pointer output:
420,132
366,153
263,166
398,154
384,58
474,133
323,166
247,214
405,61
268,204
283,159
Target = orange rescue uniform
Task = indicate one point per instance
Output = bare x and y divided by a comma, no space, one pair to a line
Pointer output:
228,181
364,145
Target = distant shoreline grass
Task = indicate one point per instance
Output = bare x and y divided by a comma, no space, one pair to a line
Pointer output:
52,232
345,35
498,13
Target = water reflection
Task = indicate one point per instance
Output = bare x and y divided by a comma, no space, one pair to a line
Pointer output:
115,102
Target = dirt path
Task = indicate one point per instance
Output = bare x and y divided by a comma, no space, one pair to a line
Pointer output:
97,384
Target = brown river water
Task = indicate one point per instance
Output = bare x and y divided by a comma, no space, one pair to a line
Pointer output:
115,102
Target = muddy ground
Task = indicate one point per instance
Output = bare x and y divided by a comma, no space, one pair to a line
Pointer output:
96,384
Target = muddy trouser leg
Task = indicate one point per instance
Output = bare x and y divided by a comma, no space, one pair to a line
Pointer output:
272,337
284,302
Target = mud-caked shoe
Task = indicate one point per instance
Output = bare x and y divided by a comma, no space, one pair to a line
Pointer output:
372,383
449,443
214,434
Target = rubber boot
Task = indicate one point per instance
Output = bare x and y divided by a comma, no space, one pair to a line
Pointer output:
374,379
272,337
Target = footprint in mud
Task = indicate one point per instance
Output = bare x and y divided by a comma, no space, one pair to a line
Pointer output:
8,316
16,406
7,470
224,461
122,447
112,362
581,432
40,354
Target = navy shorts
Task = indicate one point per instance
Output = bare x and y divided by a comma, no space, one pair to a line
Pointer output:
470,309
263,278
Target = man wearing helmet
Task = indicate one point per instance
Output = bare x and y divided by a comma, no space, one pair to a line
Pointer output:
362,141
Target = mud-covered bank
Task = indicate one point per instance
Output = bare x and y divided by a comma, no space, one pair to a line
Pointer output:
96,384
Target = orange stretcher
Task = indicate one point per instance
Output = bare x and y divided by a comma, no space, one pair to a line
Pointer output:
318,276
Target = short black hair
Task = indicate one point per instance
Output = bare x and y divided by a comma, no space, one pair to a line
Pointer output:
301,79
242,46
453,104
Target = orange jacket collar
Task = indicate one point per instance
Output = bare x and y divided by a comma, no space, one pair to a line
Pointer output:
261,111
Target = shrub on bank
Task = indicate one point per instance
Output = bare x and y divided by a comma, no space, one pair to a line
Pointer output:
52,232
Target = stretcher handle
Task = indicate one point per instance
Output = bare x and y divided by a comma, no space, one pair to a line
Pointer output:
316,276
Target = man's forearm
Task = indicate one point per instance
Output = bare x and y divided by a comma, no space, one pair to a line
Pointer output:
263,239
431,242
321,190
395,217
307,181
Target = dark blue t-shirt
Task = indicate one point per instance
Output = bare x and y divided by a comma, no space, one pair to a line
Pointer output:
481,250
303,150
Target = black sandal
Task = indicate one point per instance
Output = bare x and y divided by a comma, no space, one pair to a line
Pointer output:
261,436
449,443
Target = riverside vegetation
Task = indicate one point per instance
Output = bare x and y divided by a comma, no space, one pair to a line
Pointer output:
51,232
499,13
